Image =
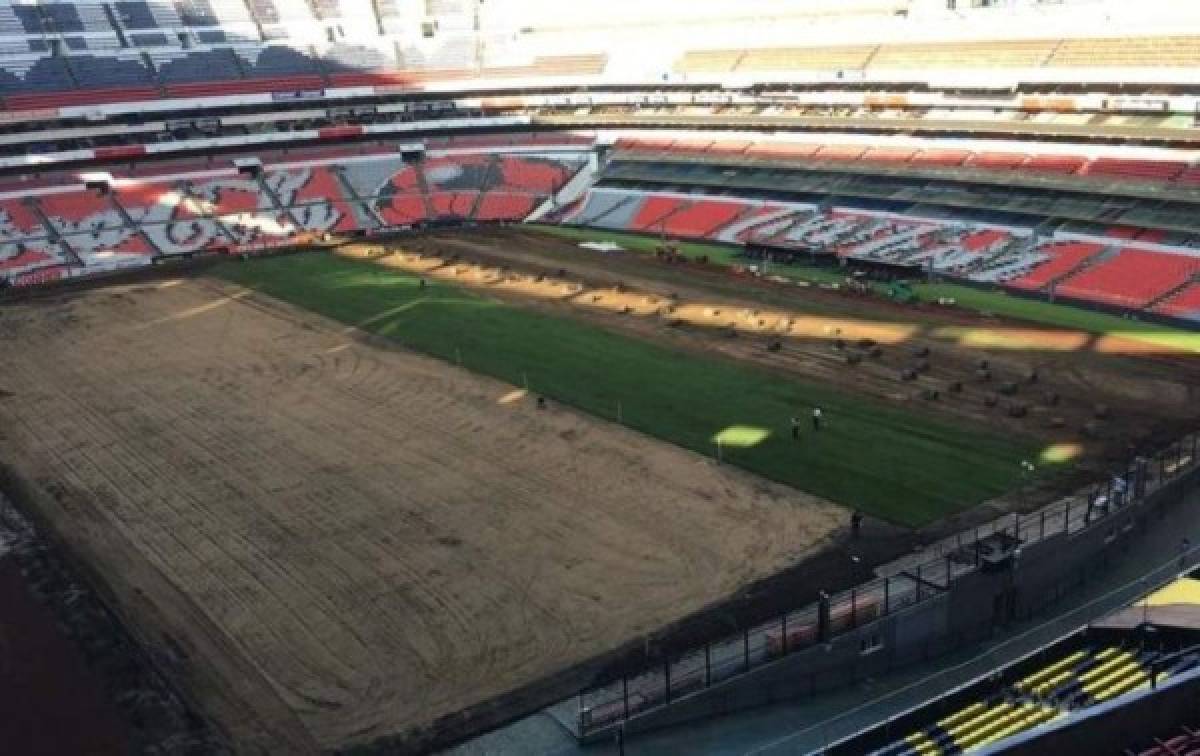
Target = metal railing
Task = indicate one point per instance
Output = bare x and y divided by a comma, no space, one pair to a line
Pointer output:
932,573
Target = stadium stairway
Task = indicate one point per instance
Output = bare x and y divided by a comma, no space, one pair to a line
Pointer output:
426,194
279,206
349,191
491,174
125,217
54,235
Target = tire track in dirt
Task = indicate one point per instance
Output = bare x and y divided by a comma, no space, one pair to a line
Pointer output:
371,536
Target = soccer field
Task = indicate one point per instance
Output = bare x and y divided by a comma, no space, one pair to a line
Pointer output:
894,463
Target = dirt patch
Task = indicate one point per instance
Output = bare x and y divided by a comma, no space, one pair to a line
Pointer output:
328,542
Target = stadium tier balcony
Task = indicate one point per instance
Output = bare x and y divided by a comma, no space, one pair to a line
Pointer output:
1065,164
1149,170
840,152
1025,53
1128,52
1134,278
888,155
941,158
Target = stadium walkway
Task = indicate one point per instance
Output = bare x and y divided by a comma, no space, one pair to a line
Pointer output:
803,726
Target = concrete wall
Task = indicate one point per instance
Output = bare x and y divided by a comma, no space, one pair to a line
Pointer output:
976,606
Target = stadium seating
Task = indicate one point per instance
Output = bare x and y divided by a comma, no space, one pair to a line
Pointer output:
1159,171
452,205
1185,304
654,211
1147,52
1133,278
702,218
535,174
19,221
1029,53
1064,257
402,209
507,207
1076,680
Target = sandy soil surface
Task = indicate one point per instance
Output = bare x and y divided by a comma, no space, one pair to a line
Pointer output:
330,540
1098,398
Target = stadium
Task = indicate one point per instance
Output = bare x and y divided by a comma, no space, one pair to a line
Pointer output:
519,377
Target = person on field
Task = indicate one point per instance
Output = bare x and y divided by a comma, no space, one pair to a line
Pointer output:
856,521
795,429
816,418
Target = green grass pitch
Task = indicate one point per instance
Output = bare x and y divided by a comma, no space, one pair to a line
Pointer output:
890,462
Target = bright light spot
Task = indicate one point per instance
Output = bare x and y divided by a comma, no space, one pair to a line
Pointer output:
1135,342
1057,454
741,436
515,395
1015,338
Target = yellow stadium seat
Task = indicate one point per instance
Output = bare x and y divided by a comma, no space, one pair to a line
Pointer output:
1058,666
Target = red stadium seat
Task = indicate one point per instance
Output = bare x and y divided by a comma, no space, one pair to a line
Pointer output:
510,207
1133,278
1064,257
1185,304
654,211
702,218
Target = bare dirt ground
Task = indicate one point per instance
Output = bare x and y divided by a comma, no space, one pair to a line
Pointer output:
329,541
1101,398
